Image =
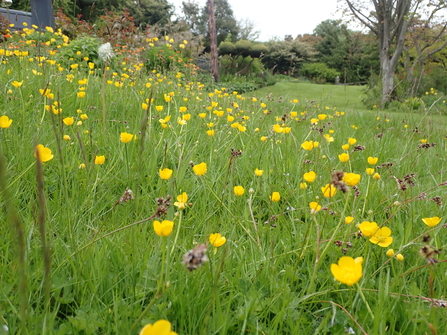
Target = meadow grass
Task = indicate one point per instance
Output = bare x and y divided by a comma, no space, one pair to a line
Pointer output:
79,254
344,97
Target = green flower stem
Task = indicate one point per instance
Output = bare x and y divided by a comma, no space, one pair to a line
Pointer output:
159,286
359,290
366,195
177,233
126,149
340,223
329,242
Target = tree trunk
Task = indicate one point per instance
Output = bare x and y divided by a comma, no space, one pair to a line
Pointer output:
389,24
213,41
387,80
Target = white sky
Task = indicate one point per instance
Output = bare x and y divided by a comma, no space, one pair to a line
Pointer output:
277,18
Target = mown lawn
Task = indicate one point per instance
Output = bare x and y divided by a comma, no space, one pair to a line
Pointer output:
344,97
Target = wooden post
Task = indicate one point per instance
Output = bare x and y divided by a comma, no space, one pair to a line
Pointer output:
42,13
213,41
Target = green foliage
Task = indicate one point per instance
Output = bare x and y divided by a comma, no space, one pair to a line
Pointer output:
242,47
144,12
319,72
226,48
287,57
147,13
162,58
226,24
373,92
353,54
413,103
258,50
435,77
78,49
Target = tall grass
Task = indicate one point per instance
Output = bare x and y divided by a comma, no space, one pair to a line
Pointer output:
109,273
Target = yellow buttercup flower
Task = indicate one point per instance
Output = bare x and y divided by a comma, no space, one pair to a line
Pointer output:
369,171
400,257
163,228
382,237
310,176
345,146
372,160
238,190
165,173
99,160
278,129
5,122
309,145
351,179
68,121
329,190
368,228
344,157
376,176
182,200
314,207
17,84
352,141
348,270
275,197
217,240
431,222
349,219
42,153
126,137
259,172
390,253
303,186
200,169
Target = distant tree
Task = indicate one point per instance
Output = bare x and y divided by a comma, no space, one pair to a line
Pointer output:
351,53
149,12
319,72
389,21
311,39
144,12
247,30
192,18
226,24
287,57
423,46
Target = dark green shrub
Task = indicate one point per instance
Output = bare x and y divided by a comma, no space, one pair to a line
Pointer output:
76,50
257,50
242,47
226,48
319,72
